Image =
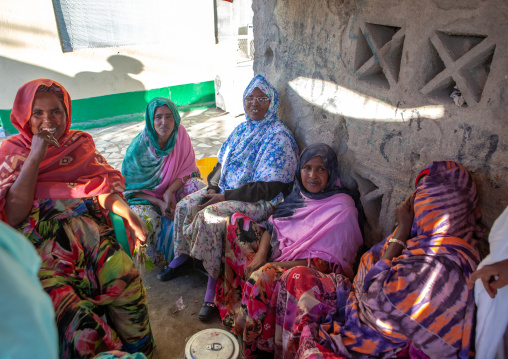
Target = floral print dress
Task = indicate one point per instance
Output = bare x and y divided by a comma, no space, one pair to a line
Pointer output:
159,243
256,151
201,234
98,296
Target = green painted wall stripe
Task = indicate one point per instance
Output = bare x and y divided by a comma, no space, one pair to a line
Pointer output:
5,119
130,106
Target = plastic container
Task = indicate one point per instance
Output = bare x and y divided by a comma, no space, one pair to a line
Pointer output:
212,344
206,165
120,232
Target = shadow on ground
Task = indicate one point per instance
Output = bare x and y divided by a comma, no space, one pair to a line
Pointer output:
172,328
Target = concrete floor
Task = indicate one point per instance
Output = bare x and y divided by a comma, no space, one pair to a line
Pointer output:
172,328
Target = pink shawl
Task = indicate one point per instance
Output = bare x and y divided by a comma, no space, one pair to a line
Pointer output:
325,228
179,163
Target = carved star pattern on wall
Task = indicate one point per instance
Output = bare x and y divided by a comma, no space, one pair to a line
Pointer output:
378,53
374,201
465,62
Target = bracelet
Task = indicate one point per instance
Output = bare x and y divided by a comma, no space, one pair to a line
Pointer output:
395,240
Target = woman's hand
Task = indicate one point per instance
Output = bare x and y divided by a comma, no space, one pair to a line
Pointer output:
40,143
138,228
258,261
169,205
405,215
493,276
162,207
213,198
115,203
320,265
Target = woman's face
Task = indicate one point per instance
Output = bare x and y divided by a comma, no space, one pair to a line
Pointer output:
314,175
48,114
164,123
256,104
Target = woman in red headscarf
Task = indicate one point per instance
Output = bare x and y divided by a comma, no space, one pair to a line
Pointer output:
58,190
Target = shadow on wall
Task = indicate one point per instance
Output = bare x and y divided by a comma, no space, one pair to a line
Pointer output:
128,96
117,80
125,99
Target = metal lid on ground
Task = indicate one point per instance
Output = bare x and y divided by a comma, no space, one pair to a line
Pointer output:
212,343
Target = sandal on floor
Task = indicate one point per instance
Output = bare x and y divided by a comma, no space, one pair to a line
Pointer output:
168,273
208,311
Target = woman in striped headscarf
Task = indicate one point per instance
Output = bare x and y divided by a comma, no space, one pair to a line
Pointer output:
409,297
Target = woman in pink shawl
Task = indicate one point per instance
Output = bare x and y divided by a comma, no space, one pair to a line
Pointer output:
316,225
159,169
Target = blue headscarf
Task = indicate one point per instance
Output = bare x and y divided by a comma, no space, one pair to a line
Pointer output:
258,151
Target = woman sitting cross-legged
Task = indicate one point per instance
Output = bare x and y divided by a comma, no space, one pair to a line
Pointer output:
316,225
160,169
58,190
409,298
256,165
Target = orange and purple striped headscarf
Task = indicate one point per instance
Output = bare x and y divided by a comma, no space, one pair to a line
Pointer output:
418,300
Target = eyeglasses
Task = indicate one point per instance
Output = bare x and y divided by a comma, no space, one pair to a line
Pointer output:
261,100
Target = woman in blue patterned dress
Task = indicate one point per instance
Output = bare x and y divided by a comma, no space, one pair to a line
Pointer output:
256,165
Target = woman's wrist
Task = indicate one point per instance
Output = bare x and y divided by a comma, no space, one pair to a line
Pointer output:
263,252
130,215
398,241
34,158
212,189
402,234
160,203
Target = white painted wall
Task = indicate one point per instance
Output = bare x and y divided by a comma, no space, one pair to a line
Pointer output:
30,48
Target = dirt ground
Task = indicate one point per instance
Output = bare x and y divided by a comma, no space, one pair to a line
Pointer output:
172,328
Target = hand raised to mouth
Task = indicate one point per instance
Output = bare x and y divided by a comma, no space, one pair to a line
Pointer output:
48,137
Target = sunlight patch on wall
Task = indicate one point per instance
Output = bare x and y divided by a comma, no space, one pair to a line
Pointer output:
342,101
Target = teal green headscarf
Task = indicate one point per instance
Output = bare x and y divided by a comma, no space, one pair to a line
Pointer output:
149,113
144,159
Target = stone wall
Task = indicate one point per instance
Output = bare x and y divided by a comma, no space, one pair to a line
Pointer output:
373,79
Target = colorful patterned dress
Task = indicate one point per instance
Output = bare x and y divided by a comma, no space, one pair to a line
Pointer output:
416,305
97,293
321,228
256,151
151,170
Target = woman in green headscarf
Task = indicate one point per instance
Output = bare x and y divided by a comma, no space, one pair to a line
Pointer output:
159,169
